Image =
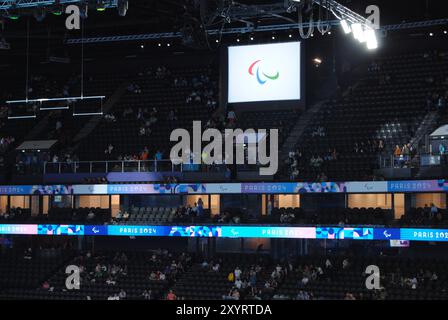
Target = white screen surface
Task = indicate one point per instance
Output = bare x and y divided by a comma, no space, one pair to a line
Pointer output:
267,72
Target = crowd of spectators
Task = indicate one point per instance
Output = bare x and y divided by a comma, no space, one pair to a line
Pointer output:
204,90
244,283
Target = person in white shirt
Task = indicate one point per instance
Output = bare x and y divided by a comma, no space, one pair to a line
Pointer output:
122,294
91,215
434,210
413,282
216,267
237,272
238,283
278,268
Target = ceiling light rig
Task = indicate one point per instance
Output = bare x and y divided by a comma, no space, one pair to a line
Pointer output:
350,21
45,104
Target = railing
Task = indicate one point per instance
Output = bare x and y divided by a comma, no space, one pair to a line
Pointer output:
126,166
111,166
421,160
392,161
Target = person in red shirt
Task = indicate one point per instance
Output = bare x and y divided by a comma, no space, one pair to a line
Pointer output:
171,295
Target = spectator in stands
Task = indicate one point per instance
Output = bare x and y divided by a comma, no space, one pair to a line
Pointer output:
253,278
58,126
322,177
434,211
127,112
231,118
171,296
158,156
110,117
146,294
238,284
441,149
405,150
349,296
194,210
108,151
413,283
122,294
216,267
441,104
200,208
91,215
172,116
28,254
110,281
380,146
126,216
45,285
397,154
114,297
237,272
345,264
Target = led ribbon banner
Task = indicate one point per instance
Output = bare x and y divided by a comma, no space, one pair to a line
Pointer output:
329,233
231,188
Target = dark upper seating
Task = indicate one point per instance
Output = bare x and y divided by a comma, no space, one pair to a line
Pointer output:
387,104
159,93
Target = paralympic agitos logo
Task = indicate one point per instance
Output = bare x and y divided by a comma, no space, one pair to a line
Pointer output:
262,76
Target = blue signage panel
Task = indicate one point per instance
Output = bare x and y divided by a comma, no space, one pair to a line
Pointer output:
231,231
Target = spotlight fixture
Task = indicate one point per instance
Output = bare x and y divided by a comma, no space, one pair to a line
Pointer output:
431,34
358,32
370,36
237,39
345,26
290,35
251,38
168,44
159,44
445,32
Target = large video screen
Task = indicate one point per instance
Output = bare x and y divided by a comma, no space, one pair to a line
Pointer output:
265,72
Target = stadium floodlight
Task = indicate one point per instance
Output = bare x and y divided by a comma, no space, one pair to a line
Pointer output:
358,32
345,26
371,40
